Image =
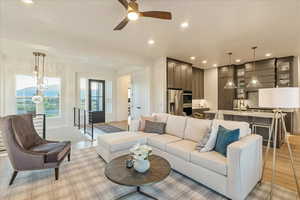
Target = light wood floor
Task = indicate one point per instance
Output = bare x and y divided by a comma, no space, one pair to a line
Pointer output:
284,175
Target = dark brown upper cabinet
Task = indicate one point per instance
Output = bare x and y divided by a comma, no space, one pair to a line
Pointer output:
198,83
179,75
225,96
285,72
264,71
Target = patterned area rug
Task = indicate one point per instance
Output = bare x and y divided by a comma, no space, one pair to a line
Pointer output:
83,179
109,128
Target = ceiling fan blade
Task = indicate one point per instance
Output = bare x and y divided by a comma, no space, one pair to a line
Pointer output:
122,24
157,14
124,3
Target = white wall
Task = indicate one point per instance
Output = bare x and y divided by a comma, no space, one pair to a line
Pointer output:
211,88
98,73
1,85
141,92
159,85
123,83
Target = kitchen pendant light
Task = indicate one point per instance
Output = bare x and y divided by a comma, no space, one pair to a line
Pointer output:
254,82
230,82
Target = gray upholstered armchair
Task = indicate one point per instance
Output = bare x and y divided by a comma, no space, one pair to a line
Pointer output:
27,150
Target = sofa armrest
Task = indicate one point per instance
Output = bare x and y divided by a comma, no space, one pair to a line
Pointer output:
134,125
244,159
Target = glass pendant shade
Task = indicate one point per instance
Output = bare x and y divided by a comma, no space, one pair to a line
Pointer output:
254,82
37,99
230,82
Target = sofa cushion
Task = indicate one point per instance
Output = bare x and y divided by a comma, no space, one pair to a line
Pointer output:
161,141
210,160
161,117
123,140
231,125
176,125
196,128
181,149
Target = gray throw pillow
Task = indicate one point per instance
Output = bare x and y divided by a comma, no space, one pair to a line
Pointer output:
154,127
201,144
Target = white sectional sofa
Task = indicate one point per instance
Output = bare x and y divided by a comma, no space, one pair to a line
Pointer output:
233,176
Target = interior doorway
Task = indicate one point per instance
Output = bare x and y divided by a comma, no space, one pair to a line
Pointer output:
96,92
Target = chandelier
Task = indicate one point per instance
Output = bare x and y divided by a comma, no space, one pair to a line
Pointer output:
39,73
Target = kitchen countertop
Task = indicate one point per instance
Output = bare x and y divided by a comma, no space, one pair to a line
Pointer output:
201,108
243,113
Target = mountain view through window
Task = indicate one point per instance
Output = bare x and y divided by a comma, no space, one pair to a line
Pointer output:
26,89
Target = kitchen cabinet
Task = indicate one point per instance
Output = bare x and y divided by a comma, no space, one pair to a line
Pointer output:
240,82
171,74
264,71
225,96
284,72
179,75
198,83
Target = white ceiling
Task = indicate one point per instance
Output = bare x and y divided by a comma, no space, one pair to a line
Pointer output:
84,29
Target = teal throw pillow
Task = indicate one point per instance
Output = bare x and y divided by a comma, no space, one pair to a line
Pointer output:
224,138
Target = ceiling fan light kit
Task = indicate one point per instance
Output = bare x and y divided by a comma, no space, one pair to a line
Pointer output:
133,14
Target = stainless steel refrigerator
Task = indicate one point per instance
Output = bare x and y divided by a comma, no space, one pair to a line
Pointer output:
175,102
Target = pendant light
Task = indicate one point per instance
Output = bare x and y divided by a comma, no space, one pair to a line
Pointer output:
254,82
39,73
230,82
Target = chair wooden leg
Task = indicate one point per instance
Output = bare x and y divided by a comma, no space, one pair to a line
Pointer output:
69,157
56,173
13,177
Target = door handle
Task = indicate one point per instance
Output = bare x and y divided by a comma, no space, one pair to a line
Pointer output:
138,107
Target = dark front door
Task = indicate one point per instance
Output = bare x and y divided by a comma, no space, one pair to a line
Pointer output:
97,100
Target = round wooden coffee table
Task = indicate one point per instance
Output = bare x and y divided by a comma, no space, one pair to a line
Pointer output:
117,172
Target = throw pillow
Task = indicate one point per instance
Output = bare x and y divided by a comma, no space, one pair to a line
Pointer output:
207,143
224,138
143,121
201,144
155,127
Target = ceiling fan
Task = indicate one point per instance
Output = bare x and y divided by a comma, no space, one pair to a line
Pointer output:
133,13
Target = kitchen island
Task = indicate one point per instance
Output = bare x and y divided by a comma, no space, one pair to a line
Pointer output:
260,122
268,115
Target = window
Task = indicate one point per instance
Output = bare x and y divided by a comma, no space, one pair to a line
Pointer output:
83,90
26,89
52,97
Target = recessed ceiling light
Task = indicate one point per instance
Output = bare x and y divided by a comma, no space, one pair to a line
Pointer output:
268,54
28,1
204,61
215,65
238,60
192,57
184,25
151,42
